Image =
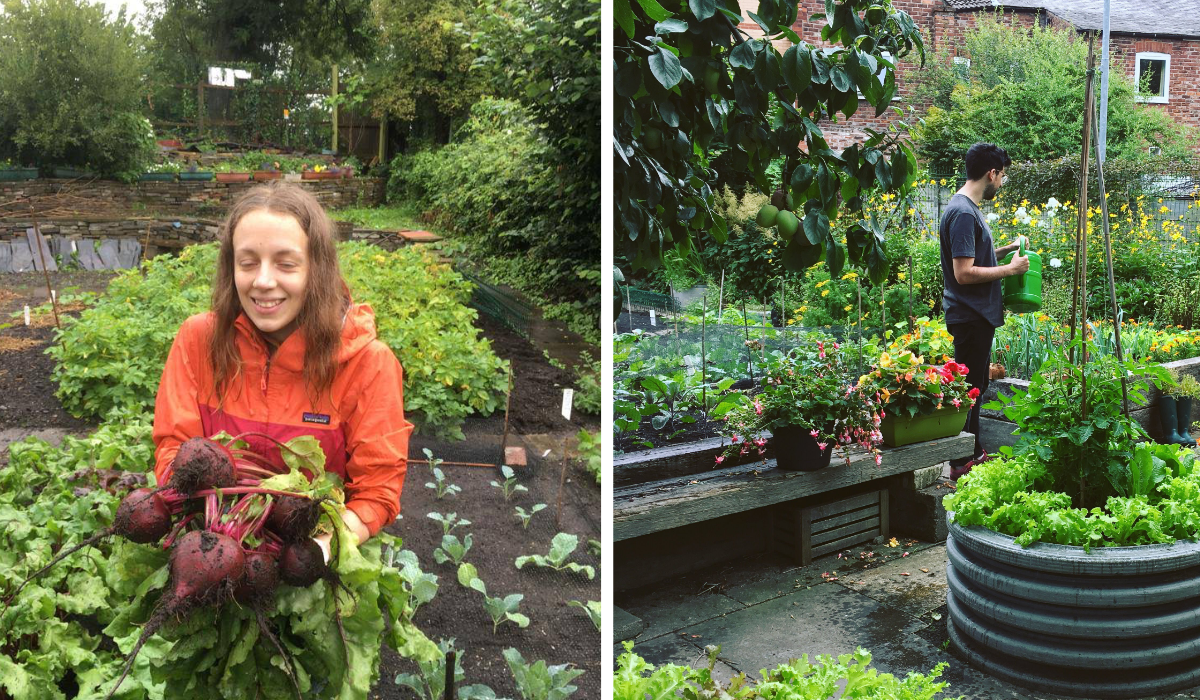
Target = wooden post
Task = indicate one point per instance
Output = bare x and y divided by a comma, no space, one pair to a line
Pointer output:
721,296
200,107
334,93
383,130
507,406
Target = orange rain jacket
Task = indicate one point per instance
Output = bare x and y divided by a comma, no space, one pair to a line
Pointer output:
360,423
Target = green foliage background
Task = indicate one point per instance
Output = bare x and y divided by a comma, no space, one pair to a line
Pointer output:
112,356
70,87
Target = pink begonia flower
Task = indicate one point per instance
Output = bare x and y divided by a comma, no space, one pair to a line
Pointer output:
821,445
836,346
720,458
758,407
878,459
814,433
883,414
745,449
956,403
735,438
760,442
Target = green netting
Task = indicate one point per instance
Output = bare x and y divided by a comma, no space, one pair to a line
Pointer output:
500,305
642,300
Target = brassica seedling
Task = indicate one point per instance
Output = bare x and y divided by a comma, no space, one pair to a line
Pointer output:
525,517
592,608
537,681
452,549
509,486
501,609
448,521
440,486
431,683
561,547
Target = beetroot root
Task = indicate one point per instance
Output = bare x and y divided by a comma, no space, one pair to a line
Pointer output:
201,464
143,517
260,579
294,518
205,568
301,564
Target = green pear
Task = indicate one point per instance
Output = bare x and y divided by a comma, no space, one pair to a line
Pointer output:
787,224
767,215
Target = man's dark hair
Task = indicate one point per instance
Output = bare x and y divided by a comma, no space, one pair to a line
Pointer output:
983,157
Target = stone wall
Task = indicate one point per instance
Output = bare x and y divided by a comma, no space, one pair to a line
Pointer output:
185,198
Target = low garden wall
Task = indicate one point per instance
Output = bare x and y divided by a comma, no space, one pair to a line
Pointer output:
192,197
1145,414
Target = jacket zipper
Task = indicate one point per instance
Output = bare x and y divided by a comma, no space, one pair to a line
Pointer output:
266,371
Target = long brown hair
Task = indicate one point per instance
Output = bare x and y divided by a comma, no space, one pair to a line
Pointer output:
326,295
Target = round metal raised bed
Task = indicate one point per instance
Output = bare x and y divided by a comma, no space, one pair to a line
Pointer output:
1118,622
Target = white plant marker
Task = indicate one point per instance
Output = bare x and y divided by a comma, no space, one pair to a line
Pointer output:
653,320
54,296
27,314
568,397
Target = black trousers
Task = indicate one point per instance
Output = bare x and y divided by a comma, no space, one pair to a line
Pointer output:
973,348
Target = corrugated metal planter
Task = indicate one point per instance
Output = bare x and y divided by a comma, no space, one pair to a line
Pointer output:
1118,622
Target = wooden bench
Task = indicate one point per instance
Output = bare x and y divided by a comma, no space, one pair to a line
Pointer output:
700,516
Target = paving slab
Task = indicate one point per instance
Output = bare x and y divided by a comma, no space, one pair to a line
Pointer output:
5,256
668,611
825,619
22,256
86,249
625,625
129,250
41,251
679,650
915,584
107,252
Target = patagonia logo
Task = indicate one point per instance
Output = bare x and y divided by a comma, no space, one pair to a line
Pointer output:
316,418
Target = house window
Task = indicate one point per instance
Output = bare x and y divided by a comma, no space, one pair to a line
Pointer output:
1153,76
962,68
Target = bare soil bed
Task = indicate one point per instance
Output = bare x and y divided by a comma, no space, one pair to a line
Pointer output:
557,633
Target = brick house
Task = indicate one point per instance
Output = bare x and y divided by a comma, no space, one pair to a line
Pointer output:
1156,37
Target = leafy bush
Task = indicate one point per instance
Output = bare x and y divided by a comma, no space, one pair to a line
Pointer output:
495,189
1022,91
851,674
113,354
70,89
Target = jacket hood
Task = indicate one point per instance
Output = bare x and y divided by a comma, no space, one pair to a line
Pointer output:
358,331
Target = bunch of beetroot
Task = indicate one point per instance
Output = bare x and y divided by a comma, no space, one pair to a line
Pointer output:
231,540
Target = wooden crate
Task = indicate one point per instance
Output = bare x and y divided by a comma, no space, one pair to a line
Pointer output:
803,533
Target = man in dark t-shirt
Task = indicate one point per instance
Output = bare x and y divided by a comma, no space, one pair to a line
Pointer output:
972,298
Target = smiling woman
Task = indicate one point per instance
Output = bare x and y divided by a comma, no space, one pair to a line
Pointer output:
284,352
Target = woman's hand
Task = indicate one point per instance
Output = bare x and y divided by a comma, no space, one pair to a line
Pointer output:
353,523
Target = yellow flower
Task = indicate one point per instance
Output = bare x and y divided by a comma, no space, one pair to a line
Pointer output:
847,307
943,182
824,292
900,276
822,283
885,360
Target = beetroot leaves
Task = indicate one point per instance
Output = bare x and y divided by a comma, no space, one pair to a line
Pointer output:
205,570
143,516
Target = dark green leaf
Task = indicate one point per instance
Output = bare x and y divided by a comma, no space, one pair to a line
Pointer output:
743,55
766,70
624,16
828,182
653,10
665,67
628,80
797,68
841,79
816,226
800,254
703,9
802,177
882,174
670,26
835,258
820,66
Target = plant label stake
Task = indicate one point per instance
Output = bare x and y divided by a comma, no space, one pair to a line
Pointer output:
562,479
568,397
721,296
653,320
451,661
703,354
507,405
749,355
911,320
27,314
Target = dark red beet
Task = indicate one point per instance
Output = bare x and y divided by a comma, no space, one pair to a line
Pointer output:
201,464
294,518
301,564
143,517
260,578
205,568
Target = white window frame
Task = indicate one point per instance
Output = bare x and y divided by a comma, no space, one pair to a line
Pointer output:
961,61
1165,97
882,77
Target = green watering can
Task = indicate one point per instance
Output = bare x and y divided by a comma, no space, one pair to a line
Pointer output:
1023,293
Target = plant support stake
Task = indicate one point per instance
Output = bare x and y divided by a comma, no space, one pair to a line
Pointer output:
507,405
703,356
1108,259
451,660
911,321
721,296
746,326
37,235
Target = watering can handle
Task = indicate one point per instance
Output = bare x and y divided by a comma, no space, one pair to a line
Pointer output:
1021,252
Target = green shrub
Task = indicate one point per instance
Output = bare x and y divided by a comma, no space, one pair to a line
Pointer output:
70,89
495,189
112,355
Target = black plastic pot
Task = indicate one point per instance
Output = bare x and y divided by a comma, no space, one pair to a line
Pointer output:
1118,622
796,449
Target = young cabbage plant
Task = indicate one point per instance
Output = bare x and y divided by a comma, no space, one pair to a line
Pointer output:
449,521
561,547
509,486
592,608
452,549
501,609
441,486
525,517
421,586
431,683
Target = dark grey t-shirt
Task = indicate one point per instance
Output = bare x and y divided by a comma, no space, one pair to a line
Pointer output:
964,233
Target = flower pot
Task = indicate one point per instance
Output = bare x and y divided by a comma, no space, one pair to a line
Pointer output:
264,175
70,173
796,449
157,177
233,177
309,175
1115,622
904,430
196,176
18,174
